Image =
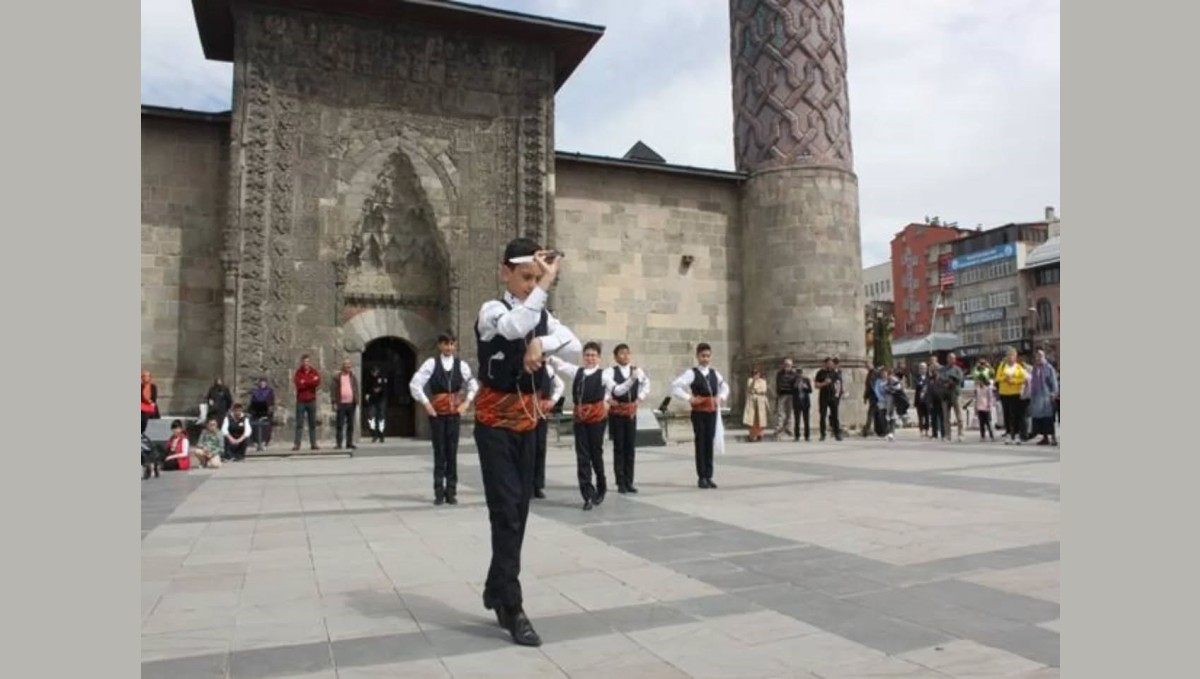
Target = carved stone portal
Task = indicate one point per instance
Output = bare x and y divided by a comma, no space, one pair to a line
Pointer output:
394,255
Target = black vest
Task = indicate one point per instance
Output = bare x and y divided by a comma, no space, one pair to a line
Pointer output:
589,389
502,361
236,426
631,395
443,382
702,386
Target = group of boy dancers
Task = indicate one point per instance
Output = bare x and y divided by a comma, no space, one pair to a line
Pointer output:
522,351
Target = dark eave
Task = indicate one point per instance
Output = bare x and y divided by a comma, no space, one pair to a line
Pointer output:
625,164
185,114
570,41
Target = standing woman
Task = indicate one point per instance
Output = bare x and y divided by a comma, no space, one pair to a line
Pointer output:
1043,390
755,413
262,402
1010,382
149,400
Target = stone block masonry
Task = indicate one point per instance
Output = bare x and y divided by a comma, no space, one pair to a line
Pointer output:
184,164
626,233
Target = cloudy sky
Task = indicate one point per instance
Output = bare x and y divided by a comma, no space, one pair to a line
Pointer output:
954,103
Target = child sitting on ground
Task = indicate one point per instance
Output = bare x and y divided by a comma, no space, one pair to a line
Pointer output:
210,448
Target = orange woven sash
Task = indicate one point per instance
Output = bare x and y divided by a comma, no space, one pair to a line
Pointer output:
505,410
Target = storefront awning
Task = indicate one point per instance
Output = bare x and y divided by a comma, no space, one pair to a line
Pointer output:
938,341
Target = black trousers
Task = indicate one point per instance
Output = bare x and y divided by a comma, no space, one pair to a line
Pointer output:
937,418
309,412
236,451
345,423
506,464
1014,416
445,429
985,423
922,416
623,431
704,426
539,462
377,411
800,409
829,413
589,458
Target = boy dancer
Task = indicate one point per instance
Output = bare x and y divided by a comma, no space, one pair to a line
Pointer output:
704,388
588,392
630,387
446,376
557,388
514,335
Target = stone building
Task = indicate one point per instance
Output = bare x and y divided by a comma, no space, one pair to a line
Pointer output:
378,156
1042,280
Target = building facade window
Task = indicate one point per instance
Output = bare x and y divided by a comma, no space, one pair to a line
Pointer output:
1045,315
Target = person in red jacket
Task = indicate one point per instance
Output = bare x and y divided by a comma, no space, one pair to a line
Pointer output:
306,380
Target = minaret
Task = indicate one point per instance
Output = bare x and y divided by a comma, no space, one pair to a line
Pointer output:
802,256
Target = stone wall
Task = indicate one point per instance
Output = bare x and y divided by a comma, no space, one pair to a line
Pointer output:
184,170
625,233
375,162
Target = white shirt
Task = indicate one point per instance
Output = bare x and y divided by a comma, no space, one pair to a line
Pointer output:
623,388
522,319
422,377
681,388
557,386
570,370
245,422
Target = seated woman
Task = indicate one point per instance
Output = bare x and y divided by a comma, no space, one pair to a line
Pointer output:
178,458
211,446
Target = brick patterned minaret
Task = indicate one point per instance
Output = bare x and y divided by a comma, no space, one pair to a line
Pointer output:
802,255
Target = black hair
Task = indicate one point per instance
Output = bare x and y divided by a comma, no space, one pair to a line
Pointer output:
177,424
703,346
447,337
520,247
619,348
592,345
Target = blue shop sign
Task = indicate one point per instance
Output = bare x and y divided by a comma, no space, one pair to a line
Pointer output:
983,257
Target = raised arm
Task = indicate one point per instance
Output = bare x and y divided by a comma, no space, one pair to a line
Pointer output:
560,341
559,365
515,323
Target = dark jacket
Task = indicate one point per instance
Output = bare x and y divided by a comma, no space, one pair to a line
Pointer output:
335,387
219,398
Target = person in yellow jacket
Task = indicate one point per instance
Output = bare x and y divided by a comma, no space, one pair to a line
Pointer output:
1010,383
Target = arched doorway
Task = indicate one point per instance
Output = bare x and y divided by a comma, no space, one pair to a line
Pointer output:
397,361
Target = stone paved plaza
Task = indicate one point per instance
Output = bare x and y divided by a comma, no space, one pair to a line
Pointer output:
833,560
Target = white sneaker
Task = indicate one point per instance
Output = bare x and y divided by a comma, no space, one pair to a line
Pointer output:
890,437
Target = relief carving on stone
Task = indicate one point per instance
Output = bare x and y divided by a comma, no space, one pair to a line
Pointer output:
789,84
394,255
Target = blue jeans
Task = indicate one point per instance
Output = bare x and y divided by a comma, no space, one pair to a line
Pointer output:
309,410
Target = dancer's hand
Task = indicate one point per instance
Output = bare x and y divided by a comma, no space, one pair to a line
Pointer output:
548,261
533,355
429,409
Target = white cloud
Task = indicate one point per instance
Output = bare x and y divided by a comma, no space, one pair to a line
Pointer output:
954,103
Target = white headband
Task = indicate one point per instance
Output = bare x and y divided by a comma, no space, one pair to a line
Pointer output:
521,260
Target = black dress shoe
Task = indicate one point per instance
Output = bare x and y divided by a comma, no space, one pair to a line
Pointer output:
630,489
621,489
539,494
702,483
451,499
521,629
352,447
598,499
439,498
711,484
587,505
